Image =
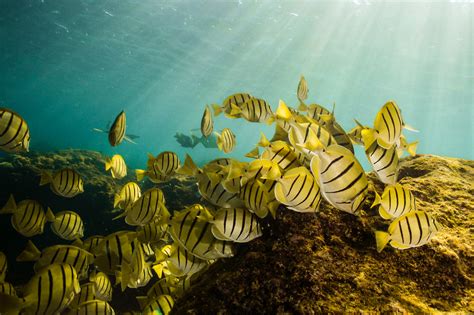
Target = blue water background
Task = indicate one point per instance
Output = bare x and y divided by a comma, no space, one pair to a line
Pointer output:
70,66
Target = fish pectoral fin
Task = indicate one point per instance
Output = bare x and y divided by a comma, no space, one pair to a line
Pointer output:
126,138
410,128
398,245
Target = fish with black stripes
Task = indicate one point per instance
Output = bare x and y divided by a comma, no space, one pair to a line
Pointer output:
87,294
102,286
92,307
279,152
49,291
395,201
254,110
129,193
181,262
152,232
90,243
149,207
191,228
339,134
164,286
342,179
313,111
7,288
384,162
67,225
210,183
3,266
162,304
14,132
234,99
159,168
302,90
77,257
226,140
258,199
117,166
298,190
207,124
237,225
113,250
413,229
28,216
65,183
388,127
117,129
137,273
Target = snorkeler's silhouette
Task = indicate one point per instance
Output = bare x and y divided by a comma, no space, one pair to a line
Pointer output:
191,141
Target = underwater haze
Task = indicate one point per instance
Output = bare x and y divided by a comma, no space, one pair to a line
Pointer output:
70,66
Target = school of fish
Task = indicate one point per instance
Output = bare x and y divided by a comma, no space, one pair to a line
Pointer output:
309,160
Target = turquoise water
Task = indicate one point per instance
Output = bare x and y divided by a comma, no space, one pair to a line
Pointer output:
70,66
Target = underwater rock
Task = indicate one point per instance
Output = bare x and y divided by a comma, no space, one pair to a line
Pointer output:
306,263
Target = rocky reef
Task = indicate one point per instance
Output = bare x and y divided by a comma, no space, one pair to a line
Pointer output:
328,263
303,263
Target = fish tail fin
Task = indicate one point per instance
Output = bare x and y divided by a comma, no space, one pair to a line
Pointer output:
189,167
158,268
283,112
50,215
254,154
121,215
10,206
117,199
377,200
140,175
108,163
381,238
217,109
411,148
368,137
30,253
46,178
272,208
263,141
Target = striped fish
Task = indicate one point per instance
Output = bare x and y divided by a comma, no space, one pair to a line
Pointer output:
90,243
340,176
237,225
129,193
87,294
300,133
95,307
153,175
211,188
234,99
339,134
165,286
14,132
103,286
216,165
166,163
207,124
226,140
314,111
117,129
298,190
279,152
78,258
67,225
51,290
388,126
191,229
7,288
254,110
150,206
113,250
181,262
396,201
302,91
3,266
65,183
257,199
410,230
28,217
152,232
117,166
137,273
384,162
160,305
355,134
405,146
